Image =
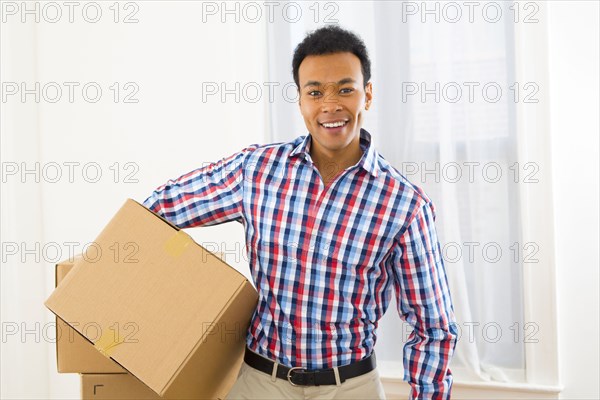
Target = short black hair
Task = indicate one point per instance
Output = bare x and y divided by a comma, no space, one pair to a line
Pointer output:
328,40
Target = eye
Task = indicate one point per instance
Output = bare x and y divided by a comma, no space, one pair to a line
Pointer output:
311,93
348,90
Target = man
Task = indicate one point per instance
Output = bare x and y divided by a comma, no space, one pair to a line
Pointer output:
332,231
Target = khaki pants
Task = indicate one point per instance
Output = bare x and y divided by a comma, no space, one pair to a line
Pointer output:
254,384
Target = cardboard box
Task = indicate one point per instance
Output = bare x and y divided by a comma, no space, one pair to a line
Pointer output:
170,312
75,353
114,387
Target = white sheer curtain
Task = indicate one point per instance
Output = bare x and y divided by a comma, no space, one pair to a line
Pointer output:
454,150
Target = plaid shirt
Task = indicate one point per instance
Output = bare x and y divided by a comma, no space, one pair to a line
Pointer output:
326,260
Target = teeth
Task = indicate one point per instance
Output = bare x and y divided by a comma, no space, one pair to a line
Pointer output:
334,125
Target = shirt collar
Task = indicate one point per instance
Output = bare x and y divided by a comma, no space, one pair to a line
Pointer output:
368,161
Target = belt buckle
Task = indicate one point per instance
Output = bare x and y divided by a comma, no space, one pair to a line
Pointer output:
289,375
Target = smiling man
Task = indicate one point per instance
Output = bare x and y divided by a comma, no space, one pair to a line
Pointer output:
332,232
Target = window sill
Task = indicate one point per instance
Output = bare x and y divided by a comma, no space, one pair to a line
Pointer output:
396,388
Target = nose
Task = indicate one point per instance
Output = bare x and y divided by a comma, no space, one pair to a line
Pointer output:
331,103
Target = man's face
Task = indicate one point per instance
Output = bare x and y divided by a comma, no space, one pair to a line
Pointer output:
332,91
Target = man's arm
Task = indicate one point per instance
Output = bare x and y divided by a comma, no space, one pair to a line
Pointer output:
206,196
424,301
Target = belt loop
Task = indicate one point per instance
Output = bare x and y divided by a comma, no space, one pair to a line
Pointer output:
274,374
337,376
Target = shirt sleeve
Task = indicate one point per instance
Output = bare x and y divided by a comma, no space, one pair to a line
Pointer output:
424,301
208,195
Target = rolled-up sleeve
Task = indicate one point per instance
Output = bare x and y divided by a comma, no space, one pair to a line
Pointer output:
424,301
208,195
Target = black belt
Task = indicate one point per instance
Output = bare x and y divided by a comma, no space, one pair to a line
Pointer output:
306,377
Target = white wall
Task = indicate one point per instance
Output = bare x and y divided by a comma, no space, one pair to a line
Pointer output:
573,58
170,131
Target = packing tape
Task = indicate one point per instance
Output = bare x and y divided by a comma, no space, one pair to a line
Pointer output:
107,343
177,243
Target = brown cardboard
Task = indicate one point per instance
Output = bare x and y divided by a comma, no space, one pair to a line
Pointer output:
171,313
114,387
74,353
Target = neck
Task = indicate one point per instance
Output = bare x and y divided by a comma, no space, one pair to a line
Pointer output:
337,161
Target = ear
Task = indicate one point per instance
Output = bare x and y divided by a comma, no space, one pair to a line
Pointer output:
368,95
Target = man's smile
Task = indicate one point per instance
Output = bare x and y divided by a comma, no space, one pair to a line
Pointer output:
335,123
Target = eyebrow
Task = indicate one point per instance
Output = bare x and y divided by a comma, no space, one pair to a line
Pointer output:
340,82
